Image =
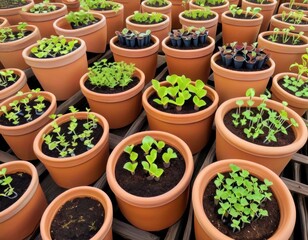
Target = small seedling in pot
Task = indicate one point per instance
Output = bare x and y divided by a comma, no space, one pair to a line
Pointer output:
7,34
6,76
204,3
44,7
167,156
99,5
80,18
198,13
155,2
6,181
131,166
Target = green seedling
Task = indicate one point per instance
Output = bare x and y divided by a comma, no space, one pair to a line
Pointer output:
147,17
204,3
198,13
6,76
167,156
7,34
147,143
99,5
6,182
155,2
80,18
44,7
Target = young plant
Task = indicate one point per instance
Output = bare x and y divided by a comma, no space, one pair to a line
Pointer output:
80,18
99,5
147,17
134,39
131,166
295,17
44,7
7,34
286,35
249,12
204,3
6,76
6,181
157,2
205,13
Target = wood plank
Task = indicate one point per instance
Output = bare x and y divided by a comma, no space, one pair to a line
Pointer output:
173,231
300,158
7,157
296,187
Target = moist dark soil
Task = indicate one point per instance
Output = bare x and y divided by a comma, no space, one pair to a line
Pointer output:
5,4
282,139
20,183
241,16
10,83
256,1
139,185
156,5
186,109
211,5
259,229
80,148
289,42
103,9
290,20
200,18
117,43
58,54
304,86
296,7
264,67
84,25
191,47
16,38
107,90
147,22
5,122
80,218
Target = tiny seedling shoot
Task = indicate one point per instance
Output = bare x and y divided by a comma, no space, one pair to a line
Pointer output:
6,181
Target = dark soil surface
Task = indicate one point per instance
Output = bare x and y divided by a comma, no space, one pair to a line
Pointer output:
243,69
146,23
80,218
5,4
103,9
58,54
156,5
191,47
200,18
20,183
259,229
304,86
290,20
10,83
241,16
117,43
256,2
16,38
211,5
289,42
139,185
84,25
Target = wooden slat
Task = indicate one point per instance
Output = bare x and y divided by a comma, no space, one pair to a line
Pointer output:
173,231
295,186
6,157
300,158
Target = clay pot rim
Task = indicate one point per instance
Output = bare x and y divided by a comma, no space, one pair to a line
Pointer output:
205,175
4,22
78,192
213,20
110,13
276,16
15,10
157,26
192,4
225,19
169,5
47,16
26,167
265,7
156,201
22,80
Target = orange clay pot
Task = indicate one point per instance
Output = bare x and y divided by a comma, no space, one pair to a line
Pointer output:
267,10
114,106
44,21
205,230
240,30
193,128
95,35
104,233
299,105
210,25
129,6
4,22
12,14
20,138
82,169
159,212
284,55
51,71
229,145
231,83
114,20
286,7
22,218
177,8
19,85
145,59
72,5
193,63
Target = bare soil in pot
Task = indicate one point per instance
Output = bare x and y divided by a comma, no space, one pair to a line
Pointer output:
11,4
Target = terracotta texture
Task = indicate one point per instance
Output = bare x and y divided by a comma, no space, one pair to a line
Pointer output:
145,59
82,169
278,52
203,227
20,138
129,6
193,63
72,5
4,22
51,72
285,7
95,35
159,212
231,83
229,145
248,28
11,52
104,233
299,105
177,8
114,106
12,14
27,209
193,128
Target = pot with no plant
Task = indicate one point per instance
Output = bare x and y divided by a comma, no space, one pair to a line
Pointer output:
159,167
139,48
266,212
55,58
114,90
259,130
293,6
74,145
10,9
90,27
181,107
188,52
22,116
22,200
13,40
92,220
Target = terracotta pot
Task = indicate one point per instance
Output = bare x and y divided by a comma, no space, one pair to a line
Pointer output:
229,145
231,83
114,20
159,212
193,128
267,10
114,106
129,6
44,21
95,35
248,28
205,230
193,63
164,10
82,169
210,25
160,30
278,52
177,8
286,7
145,59
72,5
104,233
218,9
4,22
12,14
27,209
20,138
11,52
276,23
299,105
19,85
50,71
236,2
